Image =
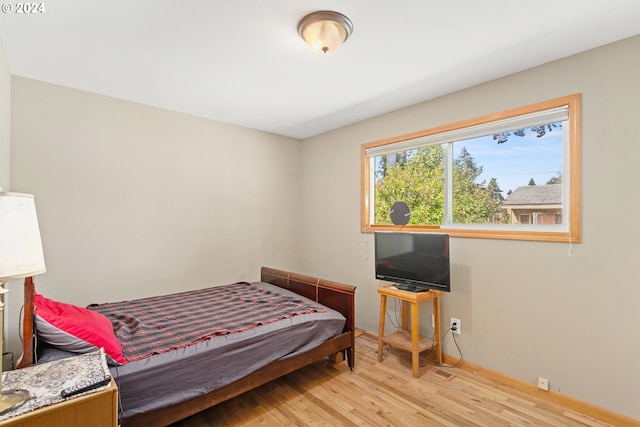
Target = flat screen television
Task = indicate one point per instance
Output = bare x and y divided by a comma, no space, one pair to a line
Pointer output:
414,261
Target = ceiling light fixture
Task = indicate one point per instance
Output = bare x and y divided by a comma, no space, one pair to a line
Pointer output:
325,30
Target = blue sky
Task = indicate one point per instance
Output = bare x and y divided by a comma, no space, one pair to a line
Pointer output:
517,160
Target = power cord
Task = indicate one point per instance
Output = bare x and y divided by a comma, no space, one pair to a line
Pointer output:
395,322
455,341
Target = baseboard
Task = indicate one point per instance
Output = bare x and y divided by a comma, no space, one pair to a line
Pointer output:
568,402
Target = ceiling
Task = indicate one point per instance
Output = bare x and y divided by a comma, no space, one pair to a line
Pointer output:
242,61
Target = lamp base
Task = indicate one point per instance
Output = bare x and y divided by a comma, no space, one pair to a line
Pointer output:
12,398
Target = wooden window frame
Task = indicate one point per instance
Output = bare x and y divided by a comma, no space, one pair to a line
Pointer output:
573,203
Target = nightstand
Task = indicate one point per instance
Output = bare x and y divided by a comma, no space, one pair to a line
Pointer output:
46,408
406,339
99,409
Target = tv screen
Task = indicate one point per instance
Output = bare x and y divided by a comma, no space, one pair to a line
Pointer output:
414,261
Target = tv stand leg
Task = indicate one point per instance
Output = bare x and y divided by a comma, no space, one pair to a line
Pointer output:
415,339
383,315
436,315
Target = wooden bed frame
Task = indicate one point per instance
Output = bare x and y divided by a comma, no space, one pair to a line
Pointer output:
338,296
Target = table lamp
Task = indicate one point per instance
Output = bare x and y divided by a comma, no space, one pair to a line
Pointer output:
20,256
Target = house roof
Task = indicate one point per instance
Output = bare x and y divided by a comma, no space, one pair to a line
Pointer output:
535,195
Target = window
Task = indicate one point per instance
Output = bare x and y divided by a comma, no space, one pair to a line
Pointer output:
509,175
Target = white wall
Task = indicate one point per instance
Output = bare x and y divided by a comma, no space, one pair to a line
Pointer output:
528,309
137,201
5,148
5,120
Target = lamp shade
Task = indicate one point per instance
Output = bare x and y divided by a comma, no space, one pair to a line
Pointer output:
21,252
325,30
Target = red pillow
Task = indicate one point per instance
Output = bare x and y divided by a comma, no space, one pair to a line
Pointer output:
75,329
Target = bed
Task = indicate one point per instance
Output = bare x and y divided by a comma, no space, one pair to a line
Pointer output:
189,379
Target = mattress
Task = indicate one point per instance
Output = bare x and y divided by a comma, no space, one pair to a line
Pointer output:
181,374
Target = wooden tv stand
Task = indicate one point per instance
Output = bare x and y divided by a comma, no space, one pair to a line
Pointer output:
410,339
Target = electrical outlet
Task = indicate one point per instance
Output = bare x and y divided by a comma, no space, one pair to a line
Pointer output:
455,323
543,384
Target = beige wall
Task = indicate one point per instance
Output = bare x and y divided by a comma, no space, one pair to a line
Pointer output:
5,120
527,309
5,151
138,201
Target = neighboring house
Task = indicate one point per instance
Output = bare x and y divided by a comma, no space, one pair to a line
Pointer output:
535,204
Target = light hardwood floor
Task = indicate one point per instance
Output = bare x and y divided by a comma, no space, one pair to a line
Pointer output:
385,394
